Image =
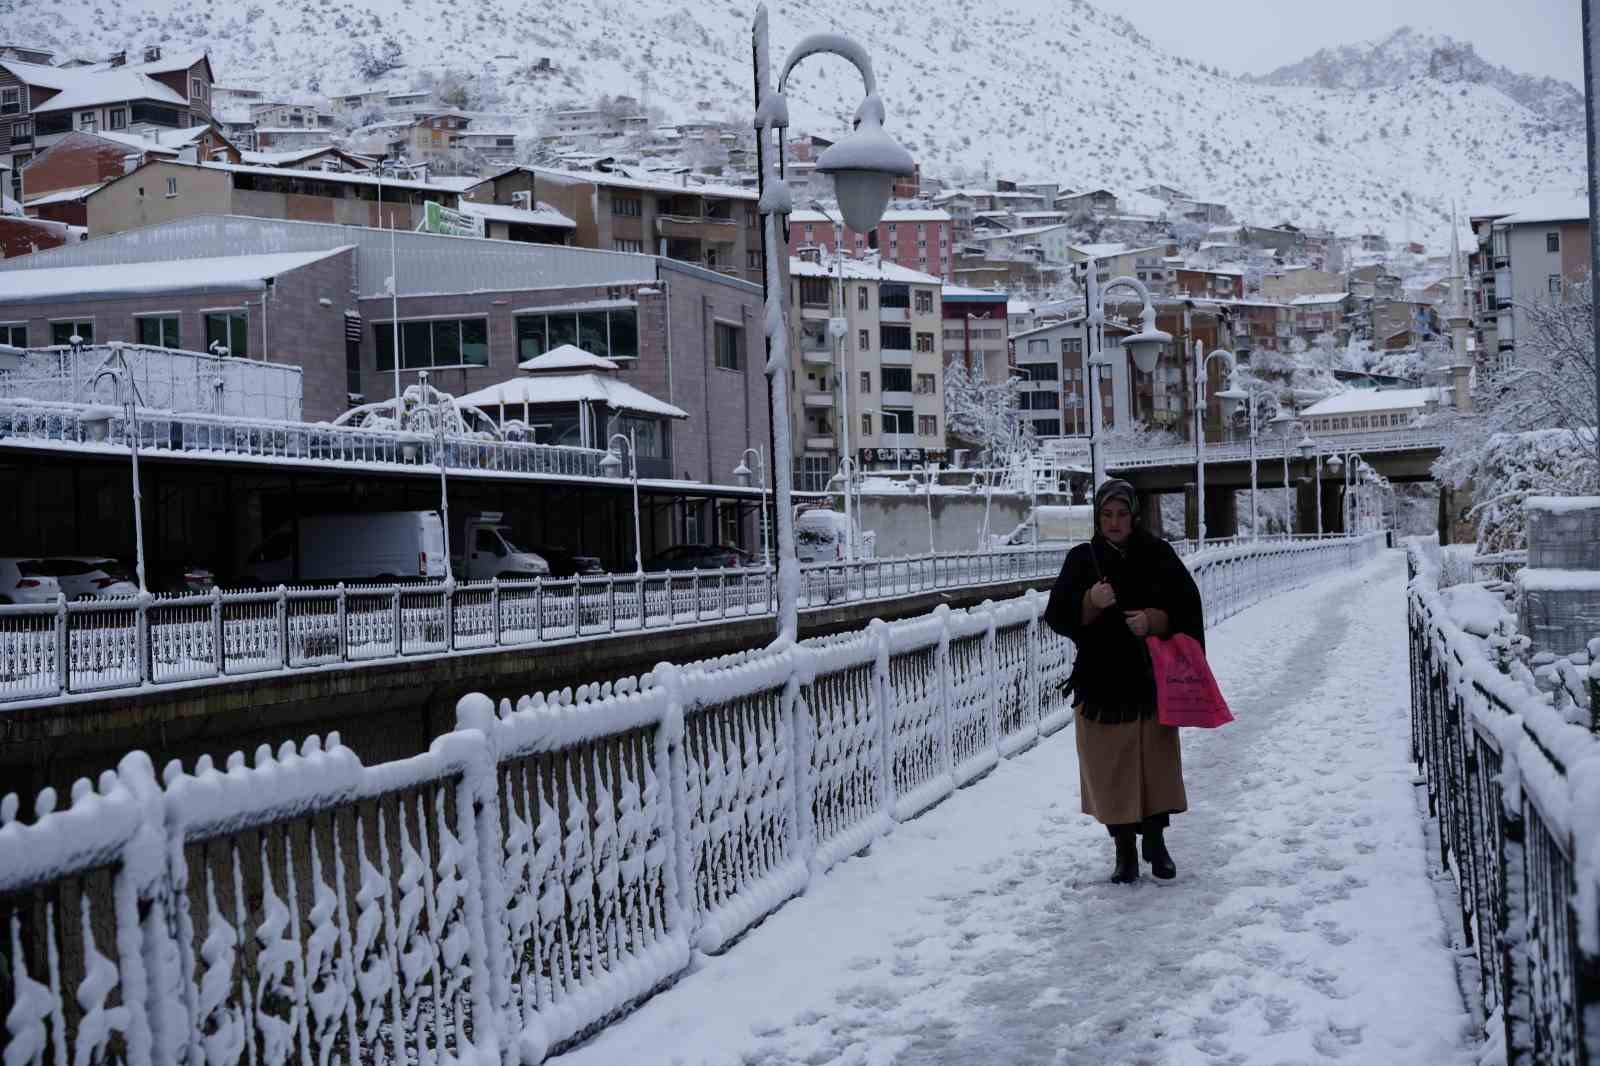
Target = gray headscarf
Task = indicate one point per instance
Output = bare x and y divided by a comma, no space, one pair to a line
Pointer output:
1115,489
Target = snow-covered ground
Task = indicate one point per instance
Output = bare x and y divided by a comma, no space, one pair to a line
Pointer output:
1303,925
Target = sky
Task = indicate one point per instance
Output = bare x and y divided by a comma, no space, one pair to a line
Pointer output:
1257,36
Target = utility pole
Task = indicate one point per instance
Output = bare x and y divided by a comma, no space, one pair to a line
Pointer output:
1591,97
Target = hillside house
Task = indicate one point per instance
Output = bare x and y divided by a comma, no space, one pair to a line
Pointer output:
1367,410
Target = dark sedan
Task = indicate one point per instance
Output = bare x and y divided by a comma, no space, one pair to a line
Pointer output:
566,563
700,557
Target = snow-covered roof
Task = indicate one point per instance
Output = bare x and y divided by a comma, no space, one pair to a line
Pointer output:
62,196
1360,401
58,78
1319,298
1098,251
1028,232
109,87
893,214
860,270
545,215
968,292
572,388
1548,209
624,181
287,156
221,274
566,357
133,140
165,65
329,175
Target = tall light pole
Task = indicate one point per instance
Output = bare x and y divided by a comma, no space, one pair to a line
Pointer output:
611,466
1144,347
1351,465
128,396
838,332
436,402
927,491
1201,364
742,474
845,475
863,166
1591,98
1309,450
1231,398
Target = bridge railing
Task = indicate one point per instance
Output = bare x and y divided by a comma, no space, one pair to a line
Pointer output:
533,875
1515,785
1271,446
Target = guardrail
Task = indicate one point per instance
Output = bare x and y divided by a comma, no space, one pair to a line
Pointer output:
538,871
169,432
1514,781
1268,446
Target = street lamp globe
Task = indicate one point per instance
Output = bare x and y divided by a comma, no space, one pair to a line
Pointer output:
1232,398
1307,447
741,472
1145,348
864,166
611,465
1334,463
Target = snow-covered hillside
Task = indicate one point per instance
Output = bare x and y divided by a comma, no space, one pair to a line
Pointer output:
1043,89
1406,55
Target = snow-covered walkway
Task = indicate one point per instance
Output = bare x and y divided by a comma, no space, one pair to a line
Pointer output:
1303,925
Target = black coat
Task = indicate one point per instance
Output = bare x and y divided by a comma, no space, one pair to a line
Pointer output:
1112,674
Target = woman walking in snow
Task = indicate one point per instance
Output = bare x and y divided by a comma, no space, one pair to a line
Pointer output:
1123,585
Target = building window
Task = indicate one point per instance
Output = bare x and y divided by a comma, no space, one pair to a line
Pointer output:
429,343
866,381
730,346
11,100
1047,427
863,299
928,425
1552,242
86,120
21,132
61,333
158,331
228,329
924,342
814,292
752,260
1555,286
14,334
927,384
864,340
197,89
626,205
612,334
895,379
866,425
924,297
1072,346
117,118
172,187
1040,371
624,245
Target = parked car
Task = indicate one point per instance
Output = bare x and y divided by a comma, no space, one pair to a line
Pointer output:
565,563
27,581
822,534
91,577
182,579
385,546
700,557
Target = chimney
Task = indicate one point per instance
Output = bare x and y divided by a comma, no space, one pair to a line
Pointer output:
152,53
120,59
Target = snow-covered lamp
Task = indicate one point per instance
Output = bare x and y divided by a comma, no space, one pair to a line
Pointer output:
863,167
96,421
1232,397
1146,346
1307,447
1334,463
742,472
611,465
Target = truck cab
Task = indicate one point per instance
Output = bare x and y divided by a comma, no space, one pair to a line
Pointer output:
484,550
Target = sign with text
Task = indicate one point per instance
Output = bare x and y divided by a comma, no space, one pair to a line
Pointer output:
450,222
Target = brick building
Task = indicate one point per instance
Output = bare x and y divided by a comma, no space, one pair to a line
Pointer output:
59,180
918,239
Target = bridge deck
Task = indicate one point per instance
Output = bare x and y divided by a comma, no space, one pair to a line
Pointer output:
1303,925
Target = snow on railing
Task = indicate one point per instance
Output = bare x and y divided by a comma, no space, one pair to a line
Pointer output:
61,425
1271,446
538,870
1513,776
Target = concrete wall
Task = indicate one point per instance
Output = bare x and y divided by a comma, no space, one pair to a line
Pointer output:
140,198
901,521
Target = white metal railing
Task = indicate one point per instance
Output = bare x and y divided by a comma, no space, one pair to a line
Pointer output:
209,435
1268,446
534,874
166,378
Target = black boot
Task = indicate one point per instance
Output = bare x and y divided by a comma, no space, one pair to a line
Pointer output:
1127,869
1156,854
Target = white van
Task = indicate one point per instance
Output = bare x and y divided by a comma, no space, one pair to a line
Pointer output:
821,535
1054,526
385,546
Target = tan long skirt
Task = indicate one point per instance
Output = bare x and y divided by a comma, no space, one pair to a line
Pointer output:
1128,771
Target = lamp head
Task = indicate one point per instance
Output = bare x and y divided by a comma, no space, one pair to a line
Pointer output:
1334,463
1307,446
1232,399
1145,347
611,465
863,167
742,472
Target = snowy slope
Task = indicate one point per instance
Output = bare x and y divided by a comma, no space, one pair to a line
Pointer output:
1406,54
1047,89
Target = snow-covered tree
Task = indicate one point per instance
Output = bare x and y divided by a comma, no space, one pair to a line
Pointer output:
984,412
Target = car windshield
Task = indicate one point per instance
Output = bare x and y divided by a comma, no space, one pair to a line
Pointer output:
34,568
66,567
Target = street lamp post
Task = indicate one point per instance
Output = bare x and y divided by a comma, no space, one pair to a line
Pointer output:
127,396
1309,450
611,465
1231,398
1144,347
434,400
1201,363
927,491
863,166
845,475
1287,425
742,473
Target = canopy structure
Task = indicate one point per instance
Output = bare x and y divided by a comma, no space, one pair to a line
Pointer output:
565,357
566,389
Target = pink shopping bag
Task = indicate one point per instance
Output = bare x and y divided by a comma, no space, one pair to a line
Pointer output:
1186,692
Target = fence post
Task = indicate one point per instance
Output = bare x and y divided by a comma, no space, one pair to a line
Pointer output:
941,665
282,607
494,606
450,613
802,741
152,993
883,694
142,639
399,623
63,646
342,606
218,635
991,668
538,608
673,762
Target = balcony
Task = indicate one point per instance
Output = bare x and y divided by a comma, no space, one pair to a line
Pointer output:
896,356
895,398
818,399
822,356
899,440
687,228
897,315
819,444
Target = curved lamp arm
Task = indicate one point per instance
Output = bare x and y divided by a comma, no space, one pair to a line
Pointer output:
1097,314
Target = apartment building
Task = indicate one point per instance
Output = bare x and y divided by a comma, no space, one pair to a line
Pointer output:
1538,252
919,239
1055,388
1046,244
876,392
711,226
163,190
1285,283
41,104
60,179
977,330
1211,283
